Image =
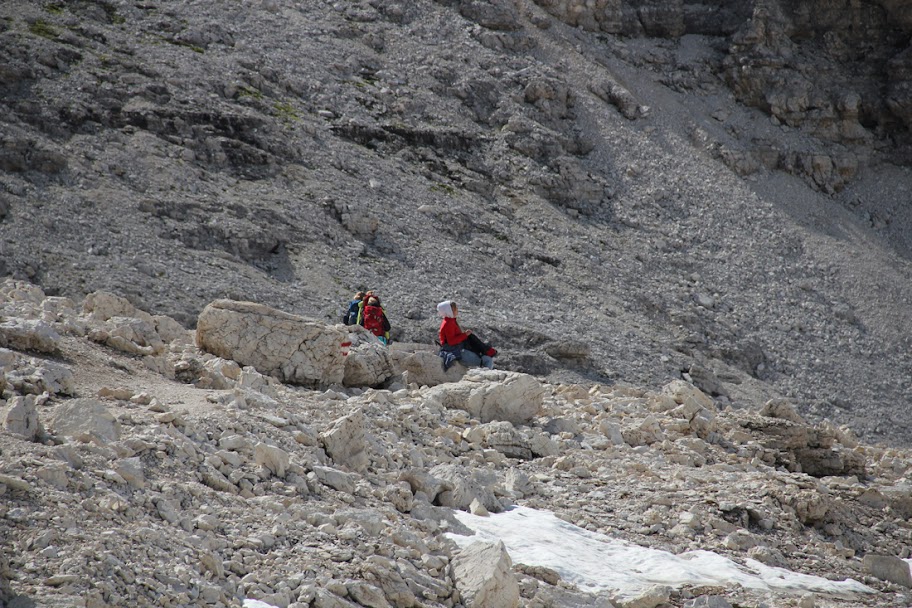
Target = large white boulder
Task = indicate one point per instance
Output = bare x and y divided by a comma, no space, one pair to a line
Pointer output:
483,574
26,334
368,364
888,568
490,395
345,441
21,417
101,306
420,364
85,420
291,348
130,335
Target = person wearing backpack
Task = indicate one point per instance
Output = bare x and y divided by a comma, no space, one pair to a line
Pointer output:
462,346
359,318
374,320
350,316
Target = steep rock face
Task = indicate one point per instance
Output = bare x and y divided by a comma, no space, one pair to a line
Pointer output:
838,69
824,65
665,18
899,92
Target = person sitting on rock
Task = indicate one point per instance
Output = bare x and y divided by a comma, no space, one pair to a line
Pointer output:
462,346
374,319
359,318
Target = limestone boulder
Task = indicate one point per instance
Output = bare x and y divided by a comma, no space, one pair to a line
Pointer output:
130,335
368,365
820,462
21,418
465,486
484,577
420,364
33,376
888,568
490,395
291,348
26,334
102,305
85,420
345,441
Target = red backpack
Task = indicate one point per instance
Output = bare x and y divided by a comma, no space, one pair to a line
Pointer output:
374,320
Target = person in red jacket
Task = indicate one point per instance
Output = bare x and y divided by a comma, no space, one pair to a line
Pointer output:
458,345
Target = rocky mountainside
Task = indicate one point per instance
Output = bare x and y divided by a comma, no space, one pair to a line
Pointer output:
632,191
137,469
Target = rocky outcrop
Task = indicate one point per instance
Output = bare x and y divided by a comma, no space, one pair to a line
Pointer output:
517,164
287,346
778,54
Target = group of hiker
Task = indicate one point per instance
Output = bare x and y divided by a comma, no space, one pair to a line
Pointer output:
365,310
456,345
